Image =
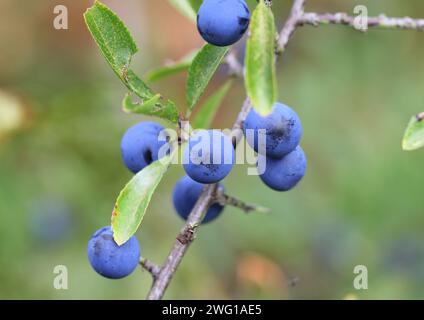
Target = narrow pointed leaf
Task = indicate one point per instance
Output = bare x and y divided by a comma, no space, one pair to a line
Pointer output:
134,199
201,71
209,109
116,44
171,69
118,47
261,80
111,35
414,134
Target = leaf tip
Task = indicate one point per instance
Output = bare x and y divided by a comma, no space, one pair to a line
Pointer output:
87,11
406,146
409,146
116,236
264,112
118,240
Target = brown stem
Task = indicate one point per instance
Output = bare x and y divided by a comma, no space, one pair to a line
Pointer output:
183,241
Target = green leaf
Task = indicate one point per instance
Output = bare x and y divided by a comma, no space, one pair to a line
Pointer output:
209,109
414,134
188,8
116,44
111,35
118,48
152,107
195,4
201,71
136,85
171,69
261,80
134,199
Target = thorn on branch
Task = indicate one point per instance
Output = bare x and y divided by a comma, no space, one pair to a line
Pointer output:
224,199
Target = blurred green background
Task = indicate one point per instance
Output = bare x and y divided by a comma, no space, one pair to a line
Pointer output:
361,202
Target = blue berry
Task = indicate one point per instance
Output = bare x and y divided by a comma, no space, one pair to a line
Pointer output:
282,135
223,22
209,156
185,195
140,145
284,174
110,260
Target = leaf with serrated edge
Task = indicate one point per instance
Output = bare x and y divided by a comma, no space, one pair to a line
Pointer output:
261,79
111,35
201,71
118,47
414,134
209,109
134,199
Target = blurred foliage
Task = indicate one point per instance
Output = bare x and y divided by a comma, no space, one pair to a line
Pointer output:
360,203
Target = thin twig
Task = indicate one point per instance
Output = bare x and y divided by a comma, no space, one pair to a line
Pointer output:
237,130
291,24
226,200
150,267
341,18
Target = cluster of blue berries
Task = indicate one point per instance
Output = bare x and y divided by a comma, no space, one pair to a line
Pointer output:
210,155
276,139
